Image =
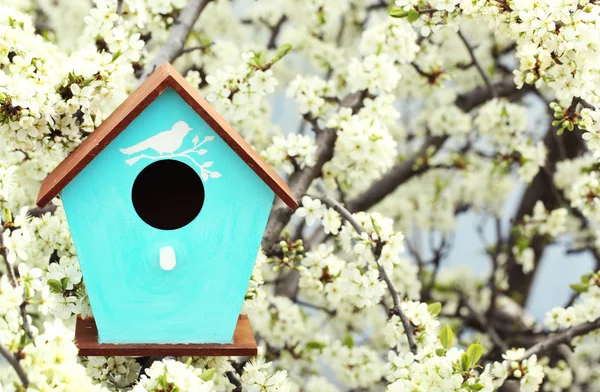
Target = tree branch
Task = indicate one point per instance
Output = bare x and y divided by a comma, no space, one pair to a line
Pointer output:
316,307
562,337
37,212
540,189
14,362
275,30
584,103
177,37
396,310
484,76
478,96
404,171
396,176
119,7
233,379
194,48
379,5
301,180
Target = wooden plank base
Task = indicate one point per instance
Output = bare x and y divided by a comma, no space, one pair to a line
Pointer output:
86,339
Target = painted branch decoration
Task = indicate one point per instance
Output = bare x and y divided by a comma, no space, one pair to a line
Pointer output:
167,143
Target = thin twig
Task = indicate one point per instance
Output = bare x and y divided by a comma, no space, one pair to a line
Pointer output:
432,76
4,254
397,310
376,6
415,253
492,281
436,261
194,48
477,64
14,362
562,337
13,282
571,299
25,317
346,215
177,37
316,307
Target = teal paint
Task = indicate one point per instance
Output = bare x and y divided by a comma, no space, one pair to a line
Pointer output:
133,299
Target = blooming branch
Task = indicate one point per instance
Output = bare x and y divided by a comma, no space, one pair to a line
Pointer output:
396,309
16,365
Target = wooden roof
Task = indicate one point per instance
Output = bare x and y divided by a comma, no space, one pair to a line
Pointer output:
165,76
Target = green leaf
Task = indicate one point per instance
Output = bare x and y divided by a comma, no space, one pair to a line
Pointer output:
259,59
522,243
585,279
281,52
375,227
55,286
162,380
315,345
476,387
464,362
475,351
413,15
398,13
440,352
208,374
348,341
446,337
116,55
434,308
321,17
64,282
579,287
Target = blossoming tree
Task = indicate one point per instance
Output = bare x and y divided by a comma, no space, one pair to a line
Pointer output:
350,293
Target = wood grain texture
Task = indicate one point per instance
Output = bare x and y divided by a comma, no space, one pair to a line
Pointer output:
165,76
86,339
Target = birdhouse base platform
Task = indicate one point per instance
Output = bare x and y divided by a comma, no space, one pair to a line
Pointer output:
86,339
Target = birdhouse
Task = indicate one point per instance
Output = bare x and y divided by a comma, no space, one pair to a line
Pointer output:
167,205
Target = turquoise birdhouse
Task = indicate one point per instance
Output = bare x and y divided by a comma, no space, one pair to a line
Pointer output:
167,206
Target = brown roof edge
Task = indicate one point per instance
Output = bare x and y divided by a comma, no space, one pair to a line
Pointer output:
165,76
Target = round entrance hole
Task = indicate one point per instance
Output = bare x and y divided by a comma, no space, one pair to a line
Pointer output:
167,194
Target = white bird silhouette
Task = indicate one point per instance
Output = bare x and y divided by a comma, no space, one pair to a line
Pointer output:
166,142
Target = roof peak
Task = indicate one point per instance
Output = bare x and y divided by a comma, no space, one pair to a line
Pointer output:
162,78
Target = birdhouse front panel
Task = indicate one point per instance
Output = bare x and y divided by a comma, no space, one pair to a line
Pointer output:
167,221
